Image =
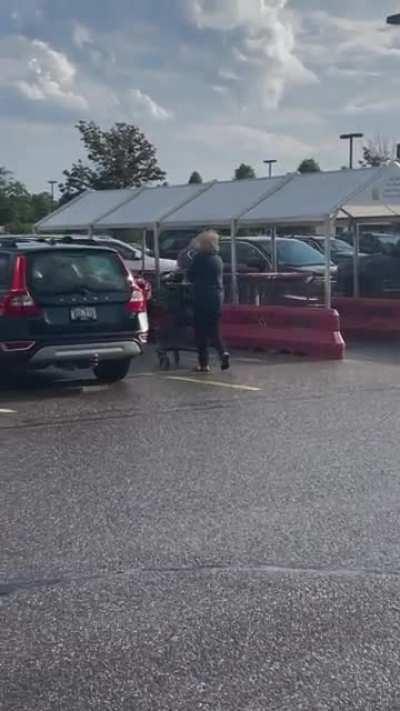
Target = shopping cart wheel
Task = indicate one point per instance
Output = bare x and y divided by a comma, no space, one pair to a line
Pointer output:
164,361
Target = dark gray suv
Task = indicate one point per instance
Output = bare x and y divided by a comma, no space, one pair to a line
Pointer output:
68,306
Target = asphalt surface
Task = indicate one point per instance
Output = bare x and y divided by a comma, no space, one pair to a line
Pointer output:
222,543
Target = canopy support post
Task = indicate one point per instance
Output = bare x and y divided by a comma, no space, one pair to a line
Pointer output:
144,235
156,233
330,232
234,277
274,249
356,260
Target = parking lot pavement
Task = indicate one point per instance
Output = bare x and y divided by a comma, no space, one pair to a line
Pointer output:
187,542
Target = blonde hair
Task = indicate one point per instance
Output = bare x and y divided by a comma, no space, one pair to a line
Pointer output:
208,241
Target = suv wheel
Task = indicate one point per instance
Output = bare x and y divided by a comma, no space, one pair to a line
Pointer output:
110,371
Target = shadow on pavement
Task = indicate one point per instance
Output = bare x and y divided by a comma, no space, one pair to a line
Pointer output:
384,352
47,382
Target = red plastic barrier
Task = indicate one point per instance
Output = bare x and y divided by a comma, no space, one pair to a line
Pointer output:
307,331
376,318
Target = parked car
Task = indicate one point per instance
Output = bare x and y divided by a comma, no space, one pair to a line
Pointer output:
173,242
254,254
71,306
341,251
379,276
375,242
132,254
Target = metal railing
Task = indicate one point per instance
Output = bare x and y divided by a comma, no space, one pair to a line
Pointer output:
281,289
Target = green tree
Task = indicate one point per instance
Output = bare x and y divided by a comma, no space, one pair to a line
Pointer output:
121,157
19,210
41,206
195,178
377,152
244,172
15,201
309,165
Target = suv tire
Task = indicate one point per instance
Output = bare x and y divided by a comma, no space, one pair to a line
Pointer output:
111,371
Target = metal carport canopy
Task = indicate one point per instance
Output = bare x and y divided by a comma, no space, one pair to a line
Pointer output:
311,198
379,200
223,202
82,212
150,207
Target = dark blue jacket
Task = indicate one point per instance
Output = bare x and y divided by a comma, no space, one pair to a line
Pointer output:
206,275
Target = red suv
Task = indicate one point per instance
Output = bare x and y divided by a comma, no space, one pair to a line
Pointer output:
69,306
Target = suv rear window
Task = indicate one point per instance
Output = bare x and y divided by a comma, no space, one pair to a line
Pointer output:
59,272
4,271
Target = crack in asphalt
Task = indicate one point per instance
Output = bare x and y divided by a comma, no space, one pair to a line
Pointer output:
8,589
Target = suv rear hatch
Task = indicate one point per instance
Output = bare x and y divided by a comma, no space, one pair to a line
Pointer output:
63,294
82,292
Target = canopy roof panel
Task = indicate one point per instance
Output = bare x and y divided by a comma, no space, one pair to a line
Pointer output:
81,213
381,198
150,206
366,193
224,202
313,197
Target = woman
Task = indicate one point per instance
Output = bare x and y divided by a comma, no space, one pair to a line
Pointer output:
206,275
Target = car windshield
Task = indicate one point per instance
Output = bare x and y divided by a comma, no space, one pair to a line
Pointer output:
294,252
76,272
338,245
388,239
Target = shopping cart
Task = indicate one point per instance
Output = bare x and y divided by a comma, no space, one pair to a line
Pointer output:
174,332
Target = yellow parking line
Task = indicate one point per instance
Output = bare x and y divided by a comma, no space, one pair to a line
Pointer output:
214,383
7,412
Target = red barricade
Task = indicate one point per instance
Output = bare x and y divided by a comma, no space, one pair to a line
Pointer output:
376,318
313,332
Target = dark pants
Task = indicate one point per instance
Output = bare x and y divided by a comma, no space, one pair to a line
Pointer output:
206,329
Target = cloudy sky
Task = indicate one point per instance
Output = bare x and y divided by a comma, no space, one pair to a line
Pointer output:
212,82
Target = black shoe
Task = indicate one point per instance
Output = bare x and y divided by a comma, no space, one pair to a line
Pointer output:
225,362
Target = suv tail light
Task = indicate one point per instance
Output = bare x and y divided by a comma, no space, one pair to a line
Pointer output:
18,301
145,287
137,302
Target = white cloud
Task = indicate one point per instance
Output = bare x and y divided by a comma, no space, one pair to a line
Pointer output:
220,89
143,104
228,75
372,105
262,44
81,36
349,73
38,72
330,39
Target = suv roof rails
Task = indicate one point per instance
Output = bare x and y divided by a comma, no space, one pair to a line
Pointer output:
14,241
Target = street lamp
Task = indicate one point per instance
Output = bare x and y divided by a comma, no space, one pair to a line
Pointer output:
270,163
393,20
52,184
350,137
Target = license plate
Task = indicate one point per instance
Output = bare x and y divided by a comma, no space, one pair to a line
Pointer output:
83,313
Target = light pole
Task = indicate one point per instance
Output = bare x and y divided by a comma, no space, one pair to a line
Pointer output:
270,163
52,184
350,137
393,20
